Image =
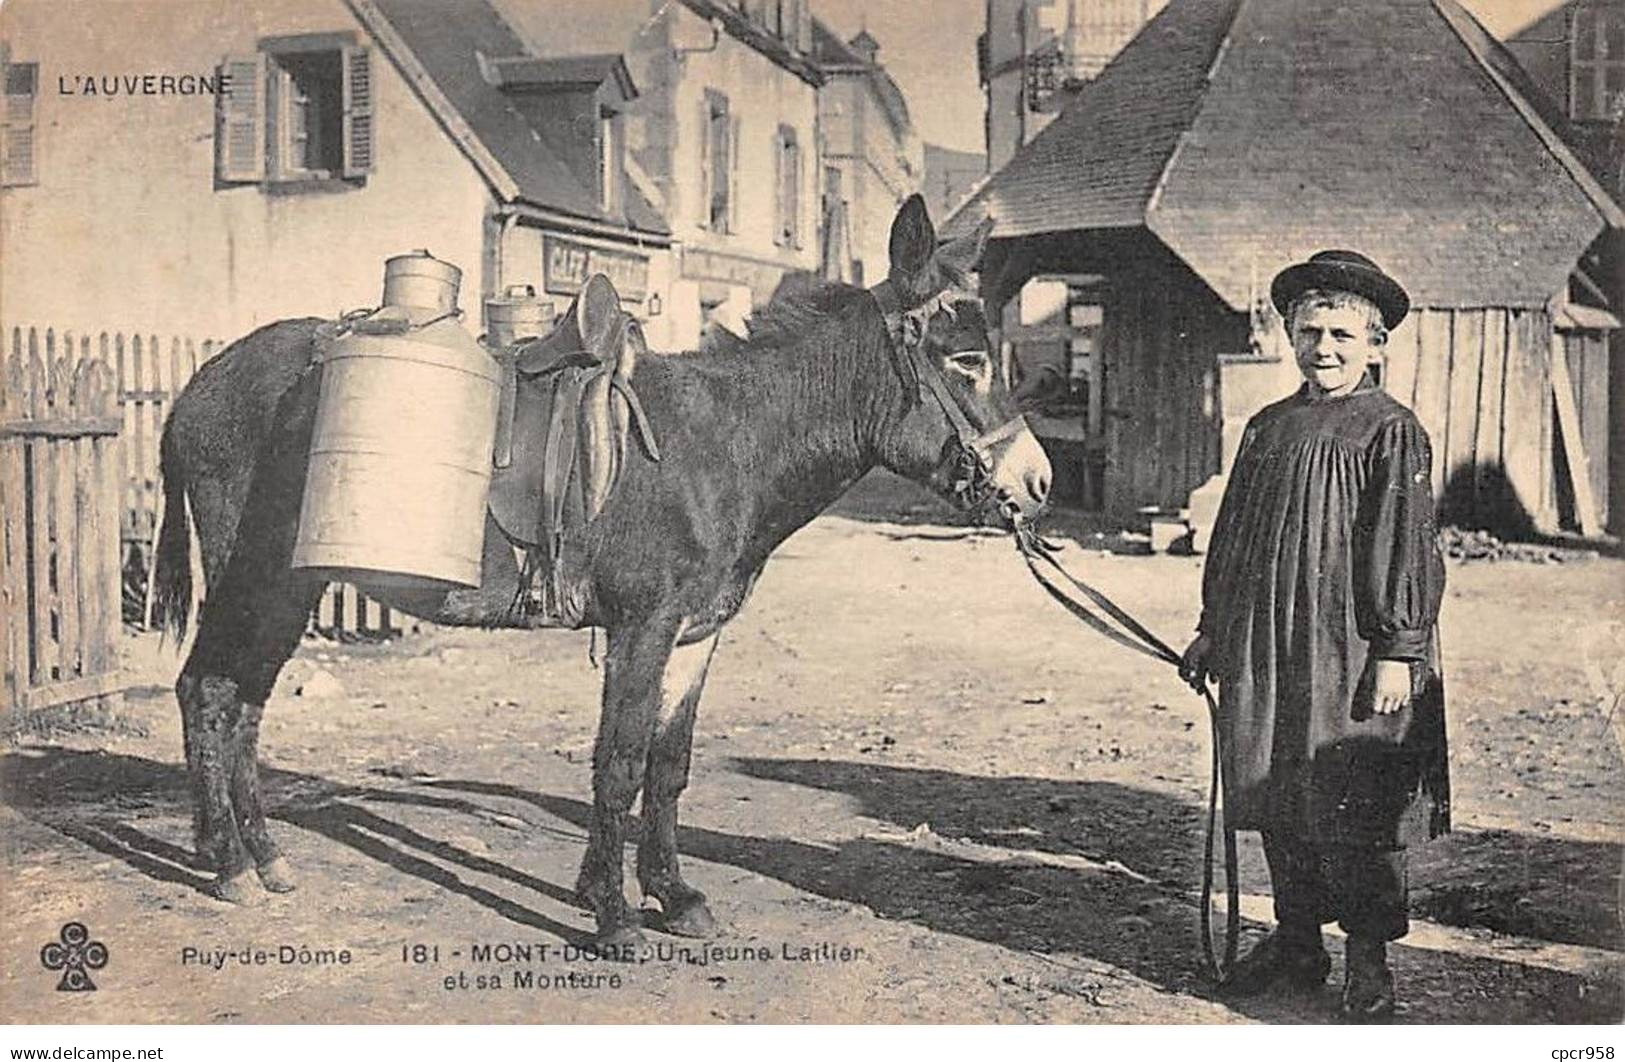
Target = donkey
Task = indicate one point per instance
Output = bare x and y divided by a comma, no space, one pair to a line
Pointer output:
757,438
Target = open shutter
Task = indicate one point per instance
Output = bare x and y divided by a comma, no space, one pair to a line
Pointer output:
778,187
705,164
239,140
792,189
358,112
17,155
735,145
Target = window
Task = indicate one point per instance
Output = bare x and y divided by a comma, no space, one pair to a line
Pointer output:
1086,323
1044,75
1597,66
609,159
17,152
832,188
300,111
787,153
719,168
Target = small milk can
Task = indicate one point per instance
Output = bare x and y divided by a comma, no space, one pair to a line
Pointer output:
400,457
514,315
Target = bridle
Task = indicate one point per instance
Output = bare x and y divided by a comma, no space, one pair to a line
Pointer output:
972,456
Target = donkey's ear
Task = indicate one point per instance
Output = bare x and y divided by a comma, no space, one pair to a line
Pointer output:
913,238
597,313
958,258
952,264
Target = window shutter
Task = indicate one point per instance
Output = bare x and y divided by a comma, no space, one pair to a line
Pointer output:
358,112
239,140
734,145
18,159
705,164
795,192
778,187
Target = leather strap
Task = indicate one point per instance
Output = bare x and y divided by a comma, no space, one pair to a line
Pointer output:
928,380
646,433
1033,550
561,455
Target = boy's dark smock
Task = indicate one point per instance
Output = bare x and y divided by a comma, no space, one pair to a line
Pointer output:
1323,560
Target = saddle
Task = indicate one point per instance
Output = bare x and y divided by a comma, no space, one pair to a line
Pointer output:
564,425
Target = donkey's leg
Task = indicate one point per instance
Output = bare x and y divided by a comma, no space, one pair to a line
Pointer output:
684,908
283,614
210,701
632,671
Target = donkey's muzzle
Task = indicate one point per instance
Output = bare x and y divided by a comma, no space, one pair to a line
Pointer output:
1021,475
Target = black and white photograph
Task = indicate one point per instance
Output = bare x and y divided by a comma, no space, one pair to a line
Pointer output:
812,513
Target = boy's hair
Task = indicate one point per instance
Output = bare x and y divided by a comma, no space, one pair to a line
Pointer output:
1321,298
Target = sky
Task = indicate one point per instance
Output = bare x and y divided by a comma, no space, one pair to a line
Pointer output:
930,48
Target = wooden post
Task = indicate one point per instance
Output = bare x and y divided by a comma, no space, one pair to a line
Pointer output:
14,514
1487,459
66,517
1568,422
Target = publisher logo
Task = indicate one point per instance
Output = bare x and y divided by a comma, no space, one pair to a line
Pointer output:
75,954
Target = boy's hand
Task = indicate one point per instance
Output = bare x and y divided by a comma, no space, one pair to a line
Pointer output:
1193,666
1393,686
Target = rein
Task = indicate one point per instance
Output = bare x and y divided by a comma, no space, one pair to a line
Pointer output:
974,488
1036,551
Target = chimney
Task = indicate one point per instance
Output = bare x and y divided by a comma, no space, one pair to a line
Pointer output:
865,45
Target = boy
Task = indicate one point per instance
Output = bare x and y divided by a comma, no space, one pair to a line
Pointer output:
1319,601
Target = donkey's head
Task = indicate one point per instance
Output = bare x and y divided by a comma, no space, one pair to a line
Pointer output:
961,432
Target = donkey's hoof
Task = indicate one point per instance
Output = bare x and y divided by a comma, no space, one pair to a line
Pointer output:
241,888
692,918
621,944
277,875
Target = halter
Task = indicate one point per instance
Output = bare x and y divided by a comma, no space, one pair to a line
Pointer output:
972,479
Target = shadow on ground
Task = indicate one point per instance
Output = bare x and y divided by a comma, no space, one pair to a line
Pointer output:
1134,914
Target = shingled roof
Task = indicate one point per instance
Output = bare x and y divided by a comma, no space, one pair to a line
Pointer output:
1249,133
447,44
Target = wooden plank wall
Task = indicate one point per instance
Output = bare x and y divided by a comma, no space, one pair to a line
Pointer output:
59,495
1588,362
1161,404
1480,382
150,374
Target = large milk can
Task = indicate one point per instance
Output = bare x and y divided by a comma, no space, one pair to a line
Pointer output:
400,458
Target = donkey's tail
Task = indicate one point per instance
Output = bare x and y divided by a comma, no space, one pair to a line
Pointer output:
172,576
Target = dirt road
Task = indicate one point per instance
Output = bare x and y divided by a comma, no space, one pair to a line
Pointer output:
921,793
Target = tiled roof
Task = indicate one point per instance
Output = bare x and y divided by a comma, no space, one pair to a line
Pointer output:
561,71
834,56
1249,134
447,41
553,28
829,50
1097,163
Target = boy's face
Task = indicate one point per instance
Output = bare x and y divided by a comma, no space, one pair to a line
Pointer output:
1333,345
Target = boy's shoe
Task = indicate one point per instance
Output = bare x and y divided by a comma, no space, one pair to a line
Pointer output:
1368,985
1291,962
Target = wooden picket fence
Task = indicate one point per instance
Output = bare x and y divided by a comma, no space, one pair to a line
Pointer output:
59,572
150,372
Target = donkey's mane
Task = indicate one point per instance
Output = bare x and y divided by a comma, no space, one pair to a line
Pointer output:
788,318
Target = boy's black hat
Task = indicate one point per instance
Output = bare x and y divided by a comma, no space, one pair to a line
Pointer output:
1342,271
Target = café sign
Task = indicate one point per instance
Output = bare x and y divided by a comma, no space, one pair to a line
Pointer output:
566,265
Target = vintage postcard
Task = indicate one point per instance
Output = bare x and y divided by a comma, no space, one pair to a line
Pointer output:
812,511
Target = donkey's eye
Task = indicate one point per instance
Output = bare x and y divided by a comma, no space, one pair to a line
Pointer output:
973,362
